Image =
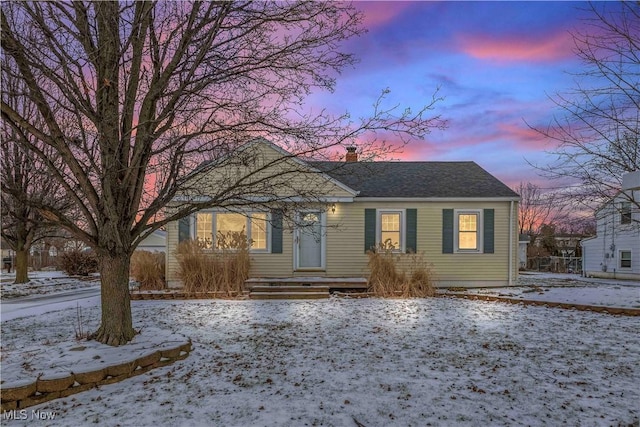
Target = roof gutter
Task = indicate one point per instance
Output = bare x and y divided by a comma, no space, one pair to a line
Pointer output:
437,199
266,199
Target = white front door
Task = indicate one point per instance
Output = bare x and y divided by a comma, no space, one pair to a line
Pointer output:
310,241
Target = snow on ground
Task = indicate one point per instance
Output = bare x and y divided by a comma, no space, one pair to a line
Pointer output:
43,283
568,288
372,362
53,359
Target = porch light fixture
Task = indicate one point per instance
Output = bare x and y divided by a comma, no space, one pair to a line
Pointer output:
333,208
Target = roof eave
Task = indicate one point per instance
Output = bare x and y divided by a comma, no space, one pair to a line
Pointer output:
437,199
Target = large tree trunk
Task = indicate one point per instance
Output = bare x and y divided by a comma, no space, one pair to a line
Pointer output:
116,327
21,267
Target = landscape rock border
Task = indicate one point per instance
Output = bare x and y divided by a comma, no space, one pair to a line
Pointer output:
568,306
30,392
178,295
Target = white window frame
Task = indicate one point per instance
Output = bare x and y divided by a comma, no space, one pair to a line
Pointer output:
214,228
630,259
479,231
403,227
194,227
626,216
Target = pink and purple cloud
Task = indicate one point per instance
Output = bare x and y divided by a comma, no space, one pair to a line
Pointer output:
496,64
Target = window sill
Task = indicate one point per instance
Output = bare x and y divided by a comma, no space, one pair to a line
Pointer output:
221,251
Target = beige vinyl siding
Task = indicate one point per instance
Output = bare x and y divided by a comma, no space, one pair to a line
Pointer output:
345,255
287,180
171,267
274,174
275,265
345,248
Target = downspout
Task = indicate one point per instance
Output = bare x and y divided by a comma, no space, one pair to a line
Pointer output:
511,244
613,240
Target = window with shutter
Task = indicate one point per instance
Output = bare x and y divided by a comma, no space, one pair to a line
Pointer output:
394,229
468,231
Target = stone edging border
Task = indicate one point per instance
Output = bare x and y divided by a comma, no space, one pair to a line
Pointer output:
168,295
568,306
42,390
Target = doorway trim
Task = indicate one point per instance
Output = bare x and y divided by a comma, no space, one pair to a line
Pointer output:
322,243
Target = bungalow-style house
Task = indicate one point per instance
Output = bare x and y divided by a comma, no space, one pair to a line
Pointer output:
615,250
458,216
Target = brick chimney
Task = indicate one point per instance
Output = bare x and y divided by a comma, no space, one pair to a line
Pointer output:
352,156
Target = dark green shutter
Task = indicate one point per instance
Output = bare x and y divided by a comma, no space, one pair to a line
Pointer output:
184,229
276,232
369,229
489,228
447,231
412,231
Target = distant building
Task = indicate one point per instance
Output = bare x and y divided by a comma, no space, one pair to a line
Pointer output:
523,242
615,250
631,181
8,255
568,245
155,242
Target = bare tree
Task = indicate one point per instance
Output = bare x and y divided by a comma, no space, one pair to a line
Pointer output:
135,95
536,208
598,130
25,184
21,224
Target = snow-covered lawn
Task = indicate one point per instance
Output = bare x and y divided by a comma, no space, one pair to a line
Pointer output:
372,362
44,283
568,288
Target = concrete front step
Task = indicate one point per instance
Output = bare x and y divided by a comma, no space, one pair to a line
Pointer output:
289,295
331,282
289,292
289,288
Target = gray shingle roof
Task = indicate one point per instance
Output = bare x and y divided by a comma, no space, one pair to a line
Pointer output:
416,179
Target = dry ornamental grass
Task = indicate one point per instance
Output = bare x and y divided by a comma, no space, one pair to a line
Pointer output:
147,268
399,275
222,270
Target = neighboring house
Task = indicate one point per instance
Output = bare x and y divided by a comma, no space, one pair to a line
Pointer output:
461,218
7,256
155,242
615,250
568,245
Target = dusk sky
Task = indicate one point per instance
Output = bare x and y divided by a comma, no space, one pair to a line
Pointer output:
496,64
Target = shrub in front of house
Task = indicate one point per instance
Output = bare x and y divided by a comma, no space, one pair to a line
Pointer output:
399,275
147,268
222,270
78,263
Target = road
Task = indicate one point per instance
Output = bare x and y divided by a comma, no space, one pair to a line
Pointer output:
38,304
